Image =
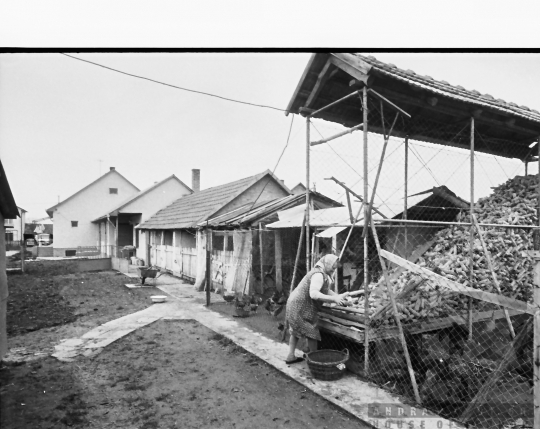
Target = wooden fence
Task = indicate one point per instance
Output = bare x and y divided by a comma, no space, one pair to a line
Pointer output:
181,262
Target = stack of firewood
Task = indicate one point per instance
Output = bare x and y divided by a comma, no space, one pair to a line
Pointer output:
515,203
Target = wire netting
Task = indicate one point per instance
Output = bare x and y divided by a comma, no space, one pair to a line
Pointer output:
440,290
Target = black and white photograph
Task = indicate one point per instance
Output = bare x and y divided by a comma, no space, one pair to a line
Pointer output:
289,215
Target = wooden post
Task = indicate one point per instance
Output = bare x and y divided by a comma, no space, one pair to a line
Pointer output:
297,259
536,300
314,246
493,275
526,167
118,255
278,260
536,341
261,256
208,264
366,225
471,233
23,242
396,315
307,195
379,168
350,206
406,244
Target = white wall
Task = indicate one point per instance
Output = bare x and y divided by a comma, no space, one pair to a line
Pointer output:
156,199
15,225
85,207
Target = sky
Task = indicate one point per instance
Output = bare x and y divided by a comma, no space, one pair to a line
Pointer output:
64,122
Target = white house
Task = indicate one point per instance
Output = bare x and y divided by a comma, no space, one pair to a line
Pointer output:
116,225
15,227
73,226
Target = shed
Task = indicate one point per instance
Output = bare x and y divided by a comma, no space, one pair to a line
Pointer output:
174,237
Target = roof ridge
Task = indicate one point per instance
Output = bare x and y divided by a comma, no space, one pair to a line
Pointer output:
87,186
488,99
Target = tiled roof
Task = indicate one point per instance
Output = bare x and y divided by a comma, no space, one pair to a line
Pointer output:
188,211
444,88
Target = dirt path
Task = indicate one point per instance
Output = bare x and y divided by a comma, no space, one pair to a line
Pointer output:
170,374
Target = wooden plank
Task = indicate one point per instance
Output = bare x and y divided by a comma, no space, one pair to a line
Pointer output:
324,75
418,327
346,332
341,321
346,313
456,287
351,217
396,315
493,275
350,69
261,257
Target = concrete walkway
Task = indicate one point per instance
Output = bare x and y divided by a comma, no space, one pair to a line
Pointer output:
357,397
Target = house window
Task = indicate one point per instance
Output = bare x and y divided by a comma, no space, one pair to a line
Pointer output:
9,222
113,190
74,223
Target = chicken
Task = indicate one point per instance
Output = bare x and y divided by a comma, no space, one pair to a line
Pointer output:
254,303
268,305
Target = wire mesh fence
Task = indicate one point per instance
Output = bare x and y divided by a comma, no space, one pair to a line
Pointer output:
441,289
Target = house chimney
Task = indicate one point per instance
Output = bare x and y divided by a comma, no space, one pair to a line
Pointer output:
112,168
196,179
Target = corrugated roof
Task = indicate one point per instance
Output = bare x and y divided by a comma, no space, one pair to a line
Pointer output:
442,87
250,213
188,211
324,218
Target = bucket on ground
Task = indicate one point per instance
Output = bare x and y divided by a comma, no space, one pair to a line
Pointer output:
327,365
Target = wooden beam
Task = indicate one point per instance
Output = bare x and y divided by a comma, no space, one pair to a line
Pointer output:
389,103
340,134
350,69
325,74
278,260
493,298
452,111
493,275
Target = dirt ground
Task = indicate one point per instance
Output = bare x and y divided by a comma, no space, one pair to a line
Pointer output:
170,374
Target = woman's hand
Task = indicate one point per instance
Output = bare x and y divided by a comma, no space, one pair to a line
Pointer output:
340,299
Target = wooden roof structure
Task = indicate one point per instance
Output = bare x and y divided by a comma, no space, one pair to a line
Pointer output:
8,207
506,129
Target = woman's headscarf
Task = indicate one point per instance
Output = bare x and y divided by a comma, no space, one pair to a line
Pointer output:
327,263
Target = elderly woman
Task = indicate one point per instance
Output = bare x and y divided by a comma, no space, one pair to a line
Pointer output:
305,301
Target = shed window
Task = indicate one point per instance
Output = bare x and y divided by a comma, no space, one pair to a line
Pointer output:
74,223
113,190
167,238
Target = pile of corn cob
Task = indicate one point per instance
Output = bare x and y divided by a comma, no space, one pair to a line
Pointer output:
514,202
